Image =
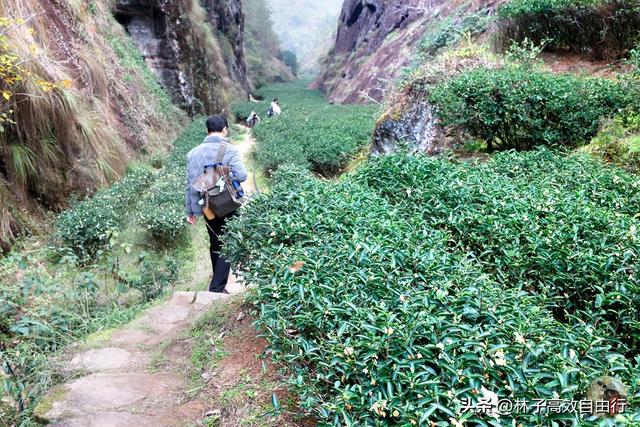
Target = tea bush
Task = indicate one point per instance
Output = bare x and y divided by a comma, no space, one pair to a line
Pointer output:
606,28
86,225
519,108
399,322
562,226
310,132
161,207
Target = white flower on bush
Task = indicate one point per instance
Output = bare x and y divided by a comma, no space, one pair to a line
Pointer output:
349,351
456,423
440,346
520,339
499,359
379,408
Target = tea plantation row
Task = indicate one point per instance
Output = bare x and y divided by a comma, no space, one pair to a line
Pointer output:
425,283
153,201
310,133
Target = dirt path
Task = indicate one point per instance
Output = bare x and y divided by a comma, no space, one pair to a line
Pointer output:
245,144
115,385
158,370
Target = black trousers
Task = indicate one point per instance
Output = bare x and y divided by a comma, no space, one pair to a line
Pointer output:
221,268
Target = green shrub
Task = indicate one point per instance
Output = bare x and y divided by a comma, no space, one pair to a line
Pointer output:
161,207
85,227
397,322
606,28
521,108
154,276
564,227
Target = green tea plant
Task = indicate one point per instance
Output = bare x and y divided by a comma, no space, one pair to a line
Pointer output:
605,28
161,206
399,322
87,225
310,132
562,227
519,108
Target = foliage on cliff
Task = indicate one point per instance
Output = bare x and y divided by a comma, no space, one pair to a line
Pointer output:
265,61
604,28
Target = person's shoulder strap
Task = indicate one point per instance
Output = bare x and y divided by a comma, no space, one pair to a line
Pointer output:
221,151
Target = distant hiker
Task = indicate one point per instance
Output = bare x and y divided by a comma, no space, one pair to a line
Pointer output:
253,120
274,108
205,155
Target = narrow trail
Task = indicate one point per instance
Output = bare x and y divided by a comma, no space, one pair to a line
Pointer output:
116,378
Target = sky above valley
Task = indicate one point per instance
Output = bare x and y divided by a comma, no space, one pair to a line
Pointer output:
307,28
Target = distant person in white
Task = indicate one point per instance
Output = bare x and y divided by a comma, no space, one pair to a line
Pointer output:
274,108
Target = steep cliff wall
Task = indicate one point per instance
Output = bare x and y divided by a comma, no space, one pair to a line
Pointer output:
196,50
376,40
262,48
90,88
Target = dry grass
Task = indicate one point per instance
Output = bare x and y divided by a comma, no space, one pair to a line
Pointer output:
81,134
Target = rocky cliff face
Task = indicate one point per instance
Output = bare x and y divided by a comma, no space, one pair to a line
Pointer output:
196,57
376,40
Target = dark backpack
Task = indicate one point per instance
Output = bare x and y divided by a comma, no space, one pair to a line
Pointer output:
270,112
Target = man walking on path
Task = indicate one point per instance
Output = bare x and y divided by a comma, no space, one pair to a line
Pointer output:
199,157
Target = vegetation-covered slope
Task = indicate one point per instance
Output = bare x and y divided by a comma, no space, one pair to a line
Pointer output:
310,132
416,283
78,100
265,60
105,259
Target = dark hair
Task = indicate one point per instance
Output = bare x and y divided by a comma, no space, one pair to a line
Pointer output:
275,99
216,123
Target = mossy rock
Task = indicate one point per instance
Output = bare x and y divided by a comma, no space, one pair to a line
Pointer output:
43,411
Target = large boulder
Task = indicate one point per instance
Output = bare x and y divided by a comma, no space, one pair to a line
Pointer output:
411,125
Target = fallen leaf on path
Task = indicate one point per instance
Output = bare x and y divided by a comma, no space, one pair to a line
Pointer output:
296,266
